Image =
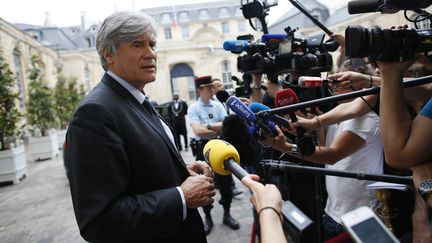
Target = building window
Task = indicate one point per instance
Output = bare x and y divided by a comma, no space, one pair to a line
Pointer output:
223,12
185,31
203,14
191,89
241,26
19,80
87,79
226,75
183,16
167,32
88,42
238,12
424,24
225,27
316,14
166,18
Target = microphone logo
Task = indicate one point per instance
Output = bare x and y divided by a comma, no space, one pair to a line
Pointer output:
207,156
246,113
286,101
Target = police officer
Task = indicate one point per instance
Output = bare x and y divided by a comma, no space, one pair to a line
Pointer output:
206,116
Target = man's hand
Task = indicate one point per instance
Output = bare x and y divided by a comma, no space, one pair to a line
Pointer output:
199,167
198,191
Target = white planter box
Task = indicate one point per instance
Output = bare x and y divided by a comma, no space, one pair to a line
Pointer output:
61,137
13,165
41,148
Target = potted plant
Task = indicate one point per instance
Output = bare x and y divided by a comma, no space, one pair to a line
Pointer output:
41,115
13,165
67,97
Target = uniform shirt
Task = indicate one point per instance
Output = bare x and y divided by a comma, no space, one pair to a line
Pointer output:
203,113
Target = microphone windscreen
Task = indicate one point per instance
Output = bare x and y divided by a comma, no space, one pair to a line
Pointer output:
238,107
236,45
309,82
216,151
257,107
285,97
362,6
222,96
236,132
268,37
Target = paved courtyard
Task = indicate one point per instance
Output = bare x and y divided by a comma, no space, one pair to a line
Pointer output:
39,209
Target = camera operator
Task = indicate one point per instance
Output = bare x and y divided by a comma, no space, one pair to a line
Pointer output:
405,141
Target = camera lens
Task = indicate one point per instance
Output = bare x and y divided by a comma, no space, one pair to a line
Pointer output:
357,41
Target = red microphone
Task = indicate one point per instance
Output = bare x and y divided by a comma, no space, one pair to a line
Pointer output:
309,82
288,97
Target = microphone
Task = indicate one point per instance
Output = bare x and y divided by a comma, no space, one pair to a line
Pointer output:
309,82
363,6
236,46
257,107
288,97
222,96
386,6
223,158
272,37
244,112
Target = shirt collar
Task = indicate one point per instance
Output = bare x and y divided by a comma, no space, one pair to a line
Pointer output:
138,94
201,102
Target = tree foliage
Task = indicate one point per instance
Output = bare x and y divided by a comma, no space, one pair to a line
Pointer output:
40,107
67,96
9,114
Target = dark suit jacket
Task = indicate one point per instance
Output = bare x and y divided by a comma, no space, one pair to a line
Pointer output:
178,117
123,172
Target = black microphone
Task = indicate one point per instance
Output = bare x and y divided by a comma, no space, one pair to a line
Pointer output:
363,6
222,96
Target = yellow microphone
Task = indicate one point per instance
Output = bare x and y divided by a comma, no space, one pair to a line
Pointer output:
223,158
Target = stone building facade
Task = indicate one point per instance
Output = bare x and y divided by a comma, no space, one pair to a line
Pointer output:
190,40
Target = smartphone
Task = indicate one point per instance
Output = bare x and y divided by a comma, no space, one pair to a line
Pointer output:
365,227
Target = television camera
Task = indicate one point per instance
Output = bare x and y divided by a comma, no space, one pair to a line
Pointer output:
395,44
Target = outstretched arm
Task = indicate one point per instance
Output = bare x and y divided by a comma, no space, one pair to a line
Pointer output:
406,143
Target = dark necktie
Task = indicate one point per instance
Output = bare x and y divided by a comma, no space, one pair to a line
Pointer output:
149,107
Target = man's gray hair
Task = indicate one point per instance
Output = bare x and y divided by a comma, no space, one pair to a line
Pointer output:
121,27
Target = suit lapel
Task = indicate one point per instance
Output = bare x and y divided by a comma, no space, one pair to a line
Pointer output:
118,88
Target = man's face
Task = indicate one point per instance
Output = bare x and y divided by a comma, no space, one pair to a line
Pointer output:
206,92
218,86
135,61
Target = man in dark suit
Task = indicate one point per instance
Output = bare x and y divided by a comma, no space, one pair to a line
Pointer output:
128,181
178,109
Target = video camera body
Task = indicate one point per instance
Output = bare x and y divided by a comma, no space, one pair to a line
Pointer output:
388,44
276,54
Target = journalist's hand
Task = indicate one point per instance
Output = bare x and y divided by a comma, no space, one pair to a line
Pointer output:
263,196
279,142
393,68
351,79
198,190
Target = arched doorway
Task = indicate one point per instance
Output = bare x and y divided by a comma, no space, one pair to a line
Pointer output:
182,81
